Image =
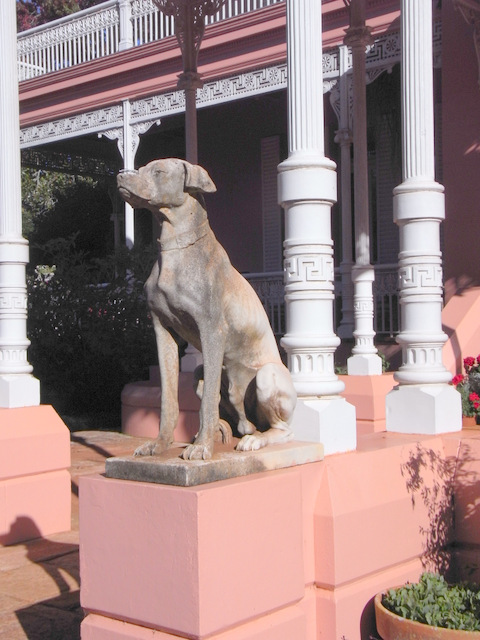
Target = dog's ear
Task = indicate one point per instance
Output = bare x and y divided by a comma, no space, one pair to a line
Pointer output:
197,179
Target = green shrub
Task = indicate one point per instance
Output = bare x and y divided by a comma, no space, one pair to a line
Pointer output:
89,325
434,602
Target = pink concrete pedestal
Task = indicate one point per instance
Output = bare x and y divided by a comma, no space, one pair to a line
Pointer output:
35,491
295,554
141,407
367,394
193,562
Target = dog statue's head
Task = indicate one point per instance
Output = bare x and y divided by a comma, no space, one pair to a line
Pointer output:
163,184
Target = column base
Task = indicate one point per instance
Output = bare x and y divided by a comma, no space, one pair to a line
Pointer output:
364,364
424,409
19,390
330,420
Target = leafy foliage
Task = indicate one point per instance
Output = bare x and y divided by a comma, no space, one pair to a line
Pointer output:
41,191
31,13
55,204
89,325
434,602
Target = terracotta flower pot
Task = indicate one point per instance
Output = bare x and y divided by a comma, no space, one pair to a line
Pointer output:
393,627
470,422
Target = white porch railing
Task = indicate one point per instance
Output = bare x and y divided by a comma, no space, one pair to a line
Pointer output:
270,290
97,32
385,290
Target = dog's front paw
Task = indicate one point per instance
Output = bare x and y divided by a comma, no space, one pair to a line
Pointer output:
252,442
150,448
197,452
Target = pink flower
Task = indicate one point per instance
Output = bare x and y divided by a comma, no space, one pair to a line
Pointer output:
458,379
468,362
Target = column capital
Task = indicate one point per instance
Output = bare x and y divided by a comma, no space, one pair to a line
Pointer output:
189,80
470,9
189,18
360,36
343,137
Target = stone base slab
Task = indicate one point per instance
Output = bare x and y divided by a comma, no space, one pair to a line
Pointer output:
170,468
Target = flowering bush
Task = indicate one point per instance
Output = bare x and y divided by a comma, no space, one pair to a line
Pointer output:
89,326
468,385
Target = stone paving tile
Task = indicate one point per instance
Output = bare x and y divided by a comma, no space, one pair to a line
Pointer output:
52,619
11,628
38,581
8,604
38,550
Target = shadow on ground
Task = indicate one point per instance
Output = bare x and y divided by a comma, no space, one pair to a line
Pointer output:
56,619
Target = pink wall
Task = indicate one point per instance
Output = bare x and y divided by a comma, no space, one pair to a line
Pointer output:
295,553
461,152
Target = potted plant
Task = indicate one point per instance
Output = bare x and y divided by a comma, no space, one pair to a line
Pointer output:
429,610
468,385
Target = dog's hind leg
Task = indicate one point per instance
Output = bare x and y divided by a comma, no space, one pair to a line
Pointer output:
224,432
169,411
276,400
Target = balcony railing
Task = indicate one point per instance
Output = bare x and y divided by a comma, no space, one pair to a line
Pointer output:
270,290
102,30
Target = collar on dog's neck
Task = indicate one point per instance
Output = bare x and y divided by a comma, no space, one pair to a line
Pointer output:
185,239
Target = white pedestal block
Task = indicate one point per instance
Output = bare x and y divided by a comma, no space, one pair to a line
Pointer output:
364,365
424,409
330,420
17,390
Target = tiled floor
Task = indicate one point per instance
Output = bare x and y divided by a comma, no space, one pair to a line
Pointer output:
39,580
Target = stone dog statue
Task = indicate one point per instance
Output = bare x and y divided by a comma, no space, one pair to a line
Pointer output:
194,291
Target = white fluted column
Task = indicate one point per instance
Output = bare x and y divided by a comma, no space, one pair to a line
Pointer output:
365,359
343,137
424,402
129,150
307,190
18,388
